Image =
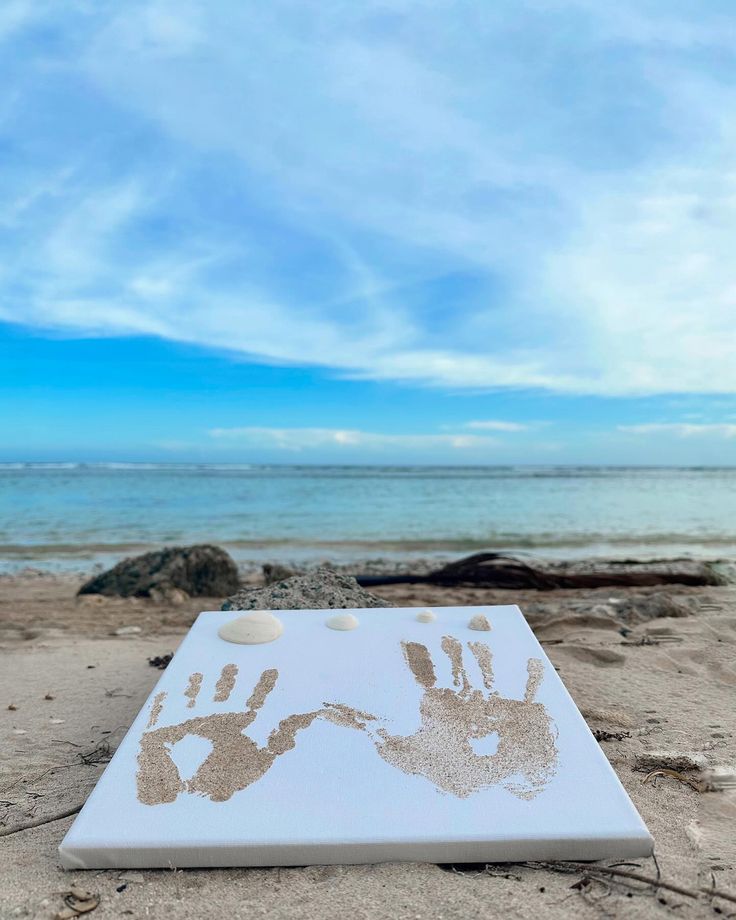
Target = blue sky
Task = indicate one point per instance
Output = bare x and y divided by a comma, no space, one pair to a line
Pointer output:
373,232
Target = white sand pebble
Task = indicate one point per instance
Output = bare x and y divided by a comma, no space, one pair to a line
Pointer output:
426,616
253,629
480,623
343,621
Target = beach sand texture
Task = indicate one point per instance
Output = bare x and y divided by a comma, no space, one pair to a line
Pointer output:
646,686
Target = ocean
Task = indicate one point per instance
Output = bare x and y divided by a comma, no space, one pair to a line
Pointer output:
77,516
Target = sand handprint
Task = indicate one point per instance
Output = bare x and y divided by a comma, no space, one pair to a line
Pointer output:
452,720
235,760
444,749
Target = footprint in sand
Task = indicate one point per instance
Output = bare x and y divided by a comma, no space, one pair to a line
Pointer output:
572,629
696,663
722,629
601,657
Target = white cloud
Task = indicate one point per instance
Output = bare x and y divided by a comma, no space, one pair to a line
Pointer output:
305,213
491,425
652,283
682,429
298,439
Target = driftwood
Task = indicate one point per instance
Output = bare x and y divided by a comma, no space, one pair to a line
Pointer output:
498,570
38,822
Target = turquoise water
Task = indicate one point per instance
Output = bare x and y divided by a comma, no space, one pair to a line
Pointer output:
68,515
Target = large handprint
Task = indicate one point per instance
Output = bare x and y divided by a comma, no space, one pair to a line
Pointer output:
452,719
235,760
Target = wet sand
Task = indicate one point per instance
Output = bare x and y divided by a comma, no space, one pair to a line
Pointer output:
645,685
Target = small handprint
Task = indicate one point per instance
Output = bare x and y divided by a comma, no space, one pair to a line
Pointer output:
235,760
452,719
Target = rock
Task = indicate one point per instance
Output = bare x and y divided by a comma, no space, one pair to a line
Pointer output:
92,600
127,631
318,590
602,610
497,570
168,595
199,571
273,572
652,607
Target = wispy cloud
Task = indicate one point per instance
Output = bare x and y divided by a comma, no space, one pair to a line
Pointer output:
298,439
683,429
496,425
417,196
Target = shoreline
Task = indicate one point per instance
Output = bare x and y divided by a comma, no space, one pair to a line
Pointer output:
384,558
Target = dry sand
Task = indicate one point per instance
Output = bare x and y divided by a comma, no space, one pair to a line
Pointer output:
668,684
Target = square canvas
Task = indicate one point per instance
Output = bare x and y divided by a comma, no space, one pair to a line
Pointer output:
412,736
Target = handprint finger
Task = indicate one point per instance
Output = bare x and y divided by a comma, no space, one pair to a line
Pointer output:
156,707
454,651
420,664
225,683
484,657
266,683
535,670
283,737
193,688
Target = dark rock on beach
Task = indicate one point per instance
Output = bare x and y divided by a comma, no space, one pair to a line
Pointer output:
318,590
199,571
497,570
653,607
274,572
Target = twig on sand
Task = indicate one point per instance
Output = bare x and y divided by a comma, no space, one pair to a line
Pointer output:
34,779
652,640
101,753
37,822
655,882
675,774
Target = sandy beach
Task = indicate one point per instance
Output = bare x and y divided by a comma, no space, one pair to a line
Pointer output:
346,307
76,672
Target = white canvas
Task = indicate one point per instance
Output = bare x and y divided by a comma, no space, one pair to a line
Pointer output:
367,745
